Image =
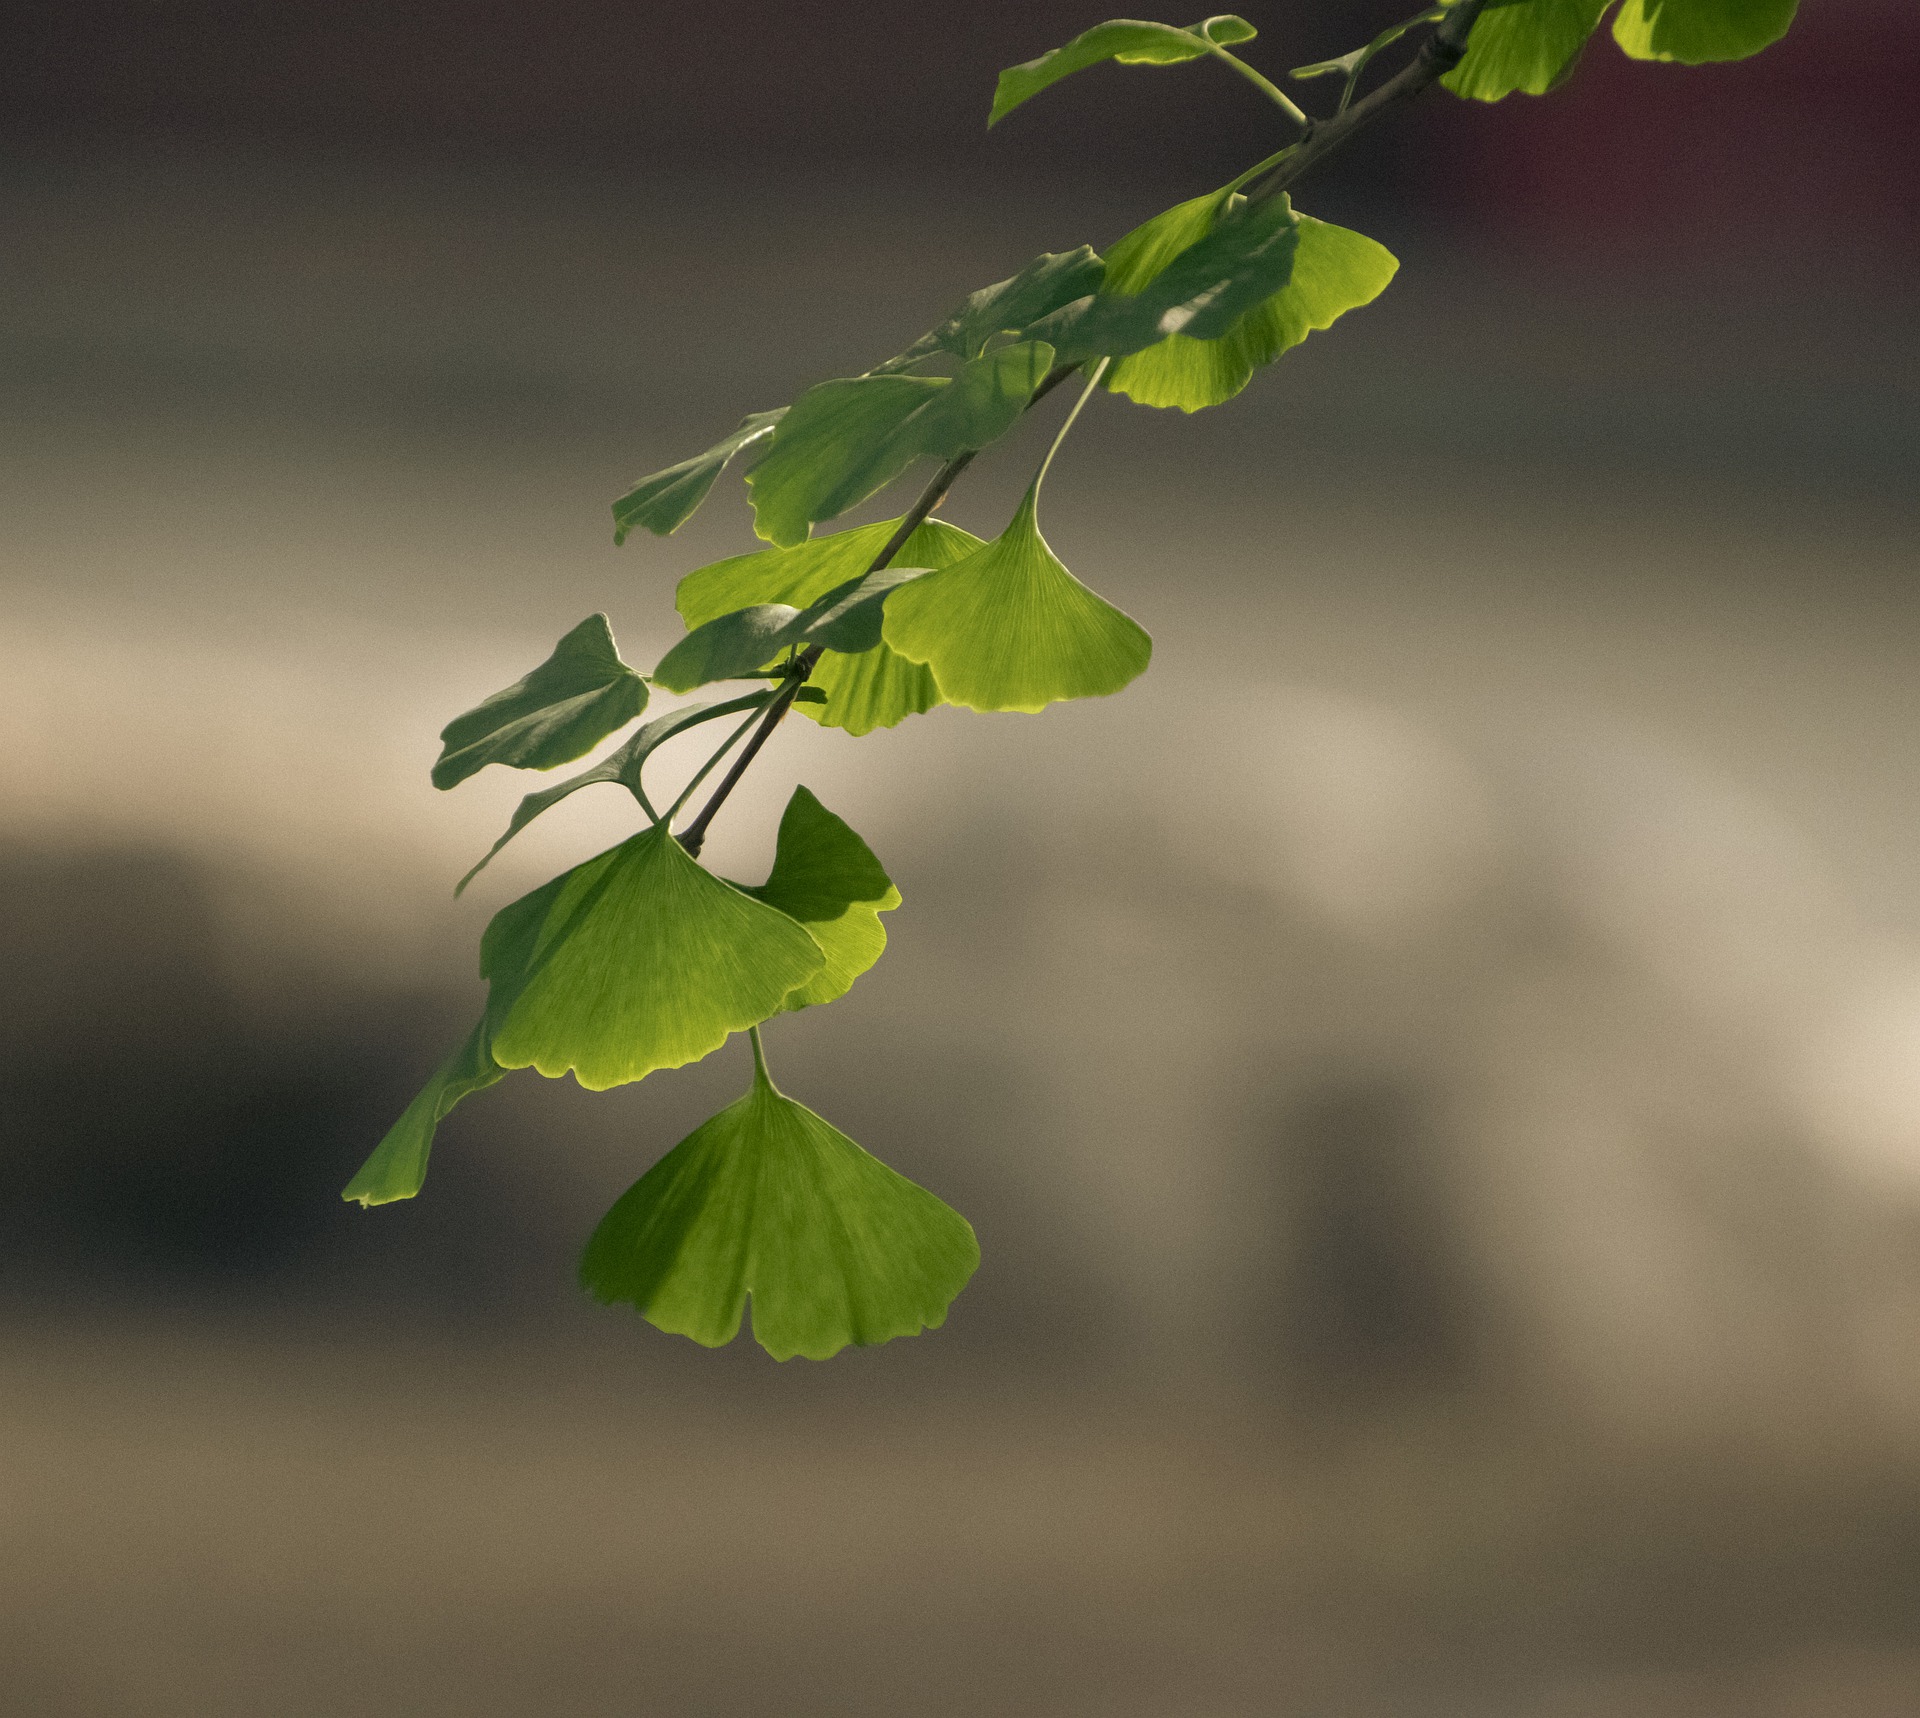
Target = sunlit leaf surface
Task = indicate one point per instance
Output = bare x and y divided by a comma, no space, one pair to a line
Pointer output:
582,693
1009,628
636,960
665,501
1334,270
1697,31
398,1166
767,1200
827,878
1528,46
1130,41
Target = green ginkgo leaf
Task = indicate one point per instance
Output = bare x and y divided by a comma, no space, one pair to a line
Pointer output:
559,712
1530,46
1009,628
623,766
1334,270
732,647
767,1200
398,1167
636,960
1051,280
665,501
825,877
1695,32
842,441
1129,41
876,688
1202,289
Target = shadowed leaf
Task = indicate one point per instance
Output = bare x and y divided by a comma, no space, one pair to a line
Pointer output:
1009,628
843,440
559,712
665,501
636,960
1130,41
767,1200
825,877
1200,288
398,1167
1334,270
1049,281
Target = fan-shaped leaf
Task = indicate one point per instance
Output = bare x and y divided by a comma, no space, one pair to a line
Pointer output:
1697,31
874,689
1525,45
1130,41
1009,628
665,501
843,440
1200,288
1334,270
731,648
768,1200
559,712
638,959
398,1166
825,877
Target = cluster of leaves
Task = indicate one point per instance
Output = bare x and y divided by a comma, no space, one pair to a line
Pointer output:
640,958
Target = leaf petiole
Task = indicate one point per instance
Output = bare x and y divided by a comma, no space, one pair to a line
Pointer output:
1086,393
1265,86
706,769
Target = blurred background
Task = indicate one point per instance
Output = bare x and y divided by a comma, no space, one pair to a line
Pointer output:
1435,1066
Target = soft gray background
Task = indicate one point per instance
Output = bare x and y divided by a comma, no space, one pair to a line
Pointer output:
1435,1066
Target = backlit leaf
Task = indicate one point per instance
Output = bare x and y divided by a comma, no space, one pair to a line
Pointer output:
1045,284
843,440
1201,288
1524,45
559,712
825,877
767,1200
1334,270
1130,41
1009,628
398,1166
1697,31
636,960
665,501
874,689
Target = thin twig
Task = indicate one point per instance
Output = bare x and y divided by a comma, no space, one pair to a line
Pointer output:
1439,54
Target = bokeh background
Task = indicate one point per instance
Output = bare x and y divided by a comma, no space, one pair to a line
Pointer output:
1435,1066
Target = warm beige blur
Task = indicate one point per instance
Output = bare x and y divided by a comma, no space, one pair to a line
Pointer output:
1435,1066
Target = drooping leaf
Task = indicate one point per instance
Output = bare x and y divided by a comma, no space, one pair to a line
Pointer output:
559,712
1695,32
874,689
1045,284
636,960
398,1166
843,440
1526,45
665,501
1202,289
1130,41
1334,270
624,764
1009,628
732,647
825,877
769,1201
